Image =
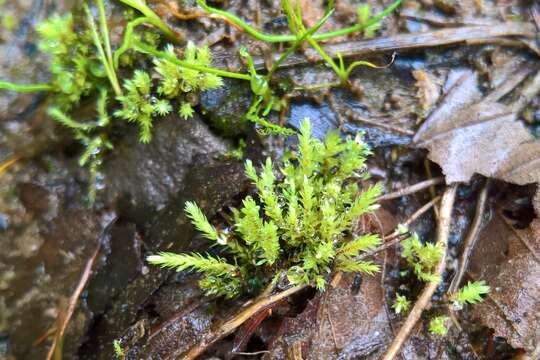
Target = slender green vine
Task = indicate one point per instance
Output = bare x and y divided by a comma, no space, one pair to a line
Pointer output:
5,85
150,16
272,38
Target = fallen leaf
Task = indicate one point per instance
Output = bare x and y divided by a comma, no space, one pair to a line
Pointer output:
468,134
508,260
337,324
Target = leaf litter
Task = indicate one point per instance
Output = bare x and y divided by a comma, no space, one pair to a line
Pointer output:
468,134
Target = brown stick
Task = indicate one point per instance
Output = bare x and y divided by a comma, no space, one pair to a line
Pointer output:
471,238
411,189
64,317
231,325
395,237
443,229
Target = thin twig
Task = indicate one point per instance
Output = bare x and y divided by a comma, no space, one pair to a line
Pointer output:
424,299
332,327
415,216
472,236
411,189
64,317
432,190
231,325
528,93
396,236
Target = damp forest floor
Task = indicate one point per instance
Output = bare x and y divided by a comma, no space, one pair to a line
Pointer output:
452,112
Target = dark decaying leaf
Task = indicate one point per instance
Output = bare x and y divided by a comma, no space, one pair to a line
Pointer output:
337,324
466,134
508,260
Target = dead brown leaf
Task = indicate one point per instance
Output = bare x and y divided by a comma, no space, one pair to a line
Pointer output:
468,134
508,260
337,324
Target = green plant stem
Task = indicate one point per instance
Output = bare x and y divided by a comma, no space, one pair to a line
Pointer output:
152,16
288,37
5,85
297,27
104,30
126,43
299,41
139,46
111,74
359,27
339,71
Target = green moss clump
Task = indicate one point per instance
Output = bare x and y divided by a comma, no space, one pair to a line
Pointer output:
298,226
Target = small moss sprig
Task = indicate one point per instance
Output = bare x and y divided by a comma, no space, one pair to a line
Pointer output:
140,106
91,135
402,304
437,325
70,60
422,257
119,352
175,80
299,226
469,294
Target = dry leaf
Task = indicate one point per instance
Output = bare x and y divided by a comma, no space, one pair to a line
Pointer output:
466,134
328,329
508,260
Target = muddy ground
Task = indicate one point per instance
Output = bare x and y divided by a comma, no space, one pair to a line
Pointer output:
458,104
